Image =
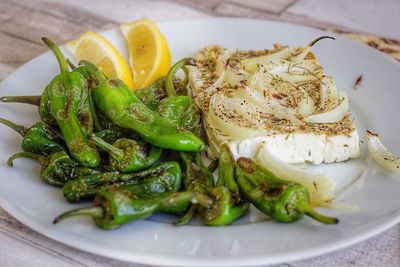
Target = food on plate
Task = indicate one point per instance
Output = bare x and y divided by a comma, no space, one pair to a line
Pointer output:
69,100
93,47
123,108
278,107
128,155
164,177
282,200
381,154
149,55
281,97
56,168
135,147
38,139
112,209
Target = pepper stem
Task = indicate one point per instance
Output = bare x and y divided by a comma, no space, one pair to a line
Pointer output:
169,82
94,212
185,219
319,217
97,124
18,128
70,64
27,99
41,159
57,53
212,167
313,42
116,153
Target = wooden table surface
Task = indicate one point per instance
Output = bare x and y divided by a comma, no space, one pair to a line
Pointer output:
22,23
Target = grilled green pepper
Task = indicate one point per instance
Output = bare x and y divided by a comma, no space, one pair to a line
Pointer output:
151,96
41,101
86,187
70,107
109,135
112,209
227,206
223,209
180,110
93,77
198,178
128,155
122,106
282,200
56,169
38,139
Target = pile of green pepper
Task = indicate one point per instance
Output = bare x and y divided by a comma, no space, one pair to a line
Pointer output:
139,153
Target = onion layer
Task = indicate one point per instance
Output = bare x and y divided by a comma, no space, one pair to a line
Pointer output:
320,186
335,115
381,154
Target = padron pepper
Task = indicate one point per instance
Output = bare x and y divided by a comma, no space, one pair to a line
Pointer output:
151,96
86,112
282,200
109,135
180,110
128,155
70,107
38,139
161,178
227,205
198,178
43,103
112,209
56,169
122,106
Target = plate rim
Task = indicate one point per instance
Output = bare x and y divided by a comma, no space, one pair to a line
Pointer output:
180,260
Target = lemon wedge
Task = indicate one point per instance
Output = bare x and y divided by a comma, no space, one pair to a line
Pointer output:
149,54
98,50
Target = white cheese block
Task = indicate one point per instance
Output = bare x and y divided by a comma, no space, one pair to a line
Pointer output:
300,147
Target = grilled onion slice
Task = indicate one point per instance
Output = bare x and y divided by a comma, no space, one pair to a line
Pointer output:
381,154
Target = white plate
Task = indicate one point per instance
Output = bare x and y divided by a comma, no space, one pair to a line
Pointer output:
375,105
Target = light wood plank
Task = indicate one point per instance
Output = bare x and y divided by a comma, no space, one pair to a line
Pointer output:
271,6
375,17
26,238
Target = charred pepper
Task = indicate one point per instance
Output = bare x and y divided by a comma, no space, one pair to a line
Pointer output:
122,106
128,155
43,103
70,107
56,169
227,205
167,174
151,96
282,200
38,139
112,209
180,110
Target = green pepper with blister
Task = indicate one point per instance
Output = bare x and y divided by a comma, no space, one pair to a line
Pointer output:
282,200
56,169
164,177
152,96
128,155
227,205
112,209
122,106
38,139
69,104
42,101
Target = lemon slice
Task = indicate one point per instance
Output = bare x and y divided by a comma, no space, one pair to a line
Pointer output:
98,50
149,54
